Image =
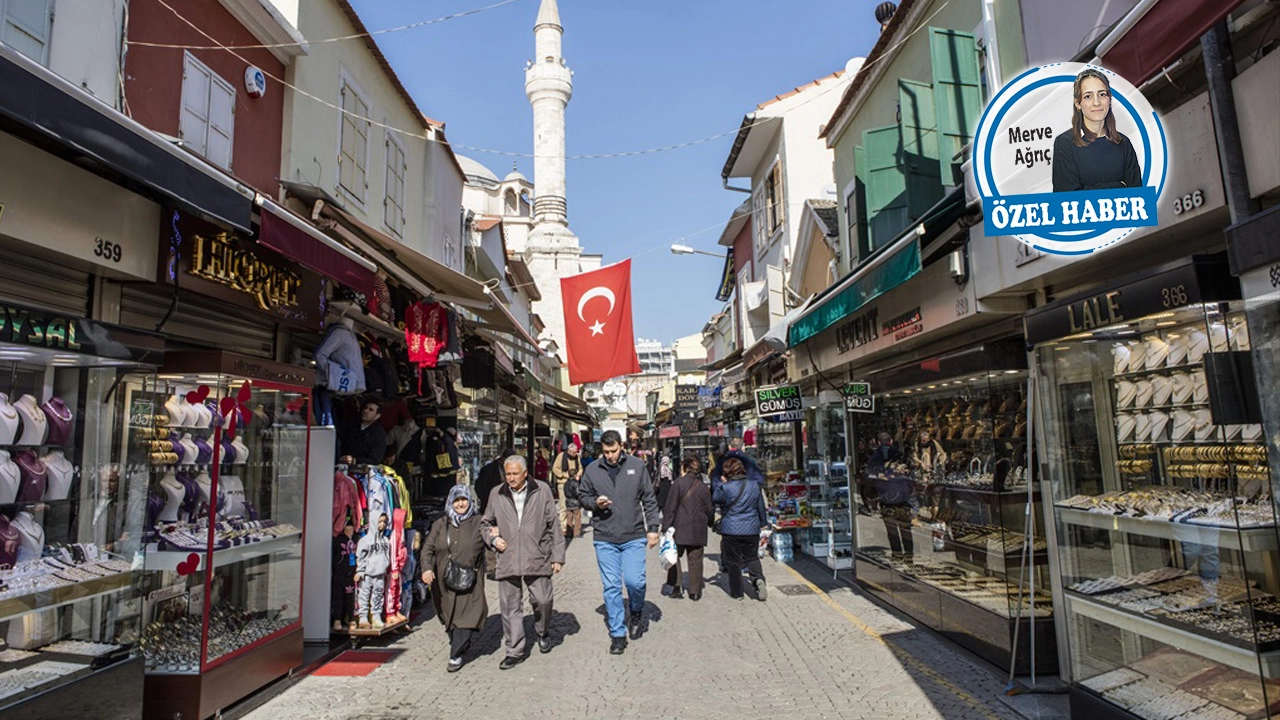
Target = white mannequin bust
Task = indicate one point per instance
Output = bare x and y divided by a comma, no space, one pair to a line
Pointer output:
205,483
188,412
8,421
30,536
173,408
10,479
189,449
203,416
174,492
34,424
60,473
242,451
234,490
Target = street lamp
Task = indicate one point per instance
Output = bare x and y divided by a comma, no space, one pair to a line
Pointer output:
686,250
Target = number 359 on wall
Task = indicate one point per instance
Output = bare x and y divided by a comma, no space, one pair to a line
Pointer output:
107,250
1188,202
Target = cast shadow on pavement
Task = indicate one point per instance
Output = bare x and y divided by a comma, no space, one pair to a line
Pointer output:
489,641
652,613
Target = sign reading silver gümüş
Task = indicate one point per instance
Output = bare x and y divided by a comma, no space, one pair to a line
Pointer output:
779,403
858,397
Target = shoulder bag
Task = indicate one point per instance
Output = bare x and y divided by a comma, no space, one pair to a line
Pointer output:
457,577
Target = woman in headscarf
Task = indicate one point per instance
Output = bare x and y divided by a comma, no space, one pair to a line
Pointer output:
456,537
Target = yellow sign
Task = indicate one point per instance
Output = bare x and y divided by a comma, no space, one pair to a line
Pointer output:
216,259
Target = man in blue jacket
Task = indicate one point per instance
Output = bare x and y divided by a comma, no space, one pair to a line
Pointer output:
625,524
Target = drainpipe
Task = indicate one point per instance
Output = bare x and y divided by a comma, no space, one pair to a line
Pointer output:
1219,69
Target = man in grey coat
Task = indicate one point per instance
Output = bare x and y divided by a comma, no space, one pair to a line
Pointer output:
521,522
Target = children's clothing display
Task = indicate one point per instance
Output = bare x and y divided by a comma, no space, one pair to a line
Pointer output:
373,563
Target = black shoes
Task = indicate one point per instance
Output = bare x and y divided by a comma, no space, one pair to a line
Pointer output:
762,589
695,596
637,625
677,594
509,662
544,644
617,645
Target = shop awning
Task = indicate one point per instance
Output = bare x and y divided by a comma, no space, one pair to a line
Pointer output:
897,263
55,115
723,362
294,238
426,275
1154,34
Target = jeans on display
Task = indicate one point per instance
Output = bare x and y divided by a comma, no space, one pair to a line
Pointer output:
370,597
740,552
323,407
621,563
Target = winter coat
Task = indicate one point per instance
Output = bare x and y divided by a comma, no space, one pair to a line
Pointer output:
467,610
373,554
754,472
689,510
565,467
634,511
534,542
742,507
339,351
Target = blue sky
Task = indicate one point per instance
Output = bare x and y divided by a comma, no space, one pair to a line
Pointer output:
646,74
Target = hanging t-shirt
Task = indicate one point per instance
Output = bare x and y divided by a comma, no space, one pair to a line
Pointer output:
427,333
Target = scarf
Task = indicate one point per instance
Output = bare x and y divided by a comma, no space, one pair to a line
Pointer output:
456,492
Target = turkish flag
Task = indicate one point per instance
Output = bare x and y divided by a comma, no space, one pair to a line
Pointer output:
597,324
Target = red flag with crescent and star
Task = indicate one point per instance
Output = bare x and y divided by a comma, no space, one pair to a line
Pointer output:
597,324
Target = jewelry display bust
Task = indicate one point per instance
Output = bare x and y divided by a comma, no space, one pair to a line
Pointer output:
34,425
174,493
60,474
203,417
8,421
30,536
205,483
34,476
242,451
9,540
190,452
173,409
10,478
59,417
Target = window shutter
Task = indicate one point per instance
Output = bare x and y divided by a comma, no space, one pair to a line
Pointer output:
194,124
24,26
886,185
222,110
957,92
859,238
919,127
758,216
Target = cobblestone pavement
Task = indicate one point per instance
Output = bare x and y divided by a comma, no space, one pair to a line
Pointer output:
827,652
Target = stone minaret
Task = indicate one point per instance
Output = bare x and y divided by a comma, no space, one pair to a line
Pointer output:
552,251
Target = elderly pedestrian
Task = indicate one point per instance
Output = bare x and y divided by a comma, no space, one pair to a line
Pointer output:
690,512
522,524
566,467
624,520
455,538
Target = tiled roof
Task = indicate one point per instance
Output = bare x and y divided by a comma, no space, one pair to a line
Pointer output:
486,224
778,98
880,48
828,214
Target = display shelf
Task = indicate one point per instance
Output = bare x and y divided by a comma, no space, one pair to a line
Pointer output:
168,560
1170,368
1245,539
56,597
1215,650
1003,495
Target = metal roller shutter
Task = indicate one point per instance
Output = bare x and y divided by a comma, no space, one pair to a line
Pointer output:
27,280
198,320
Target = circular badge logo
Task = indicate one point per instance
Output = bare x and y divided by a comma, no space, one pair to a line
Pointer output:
1069,158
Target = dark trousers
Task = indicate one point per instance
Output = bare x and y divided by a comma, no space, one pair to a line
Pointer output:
739,552
342,596
694,553
459,641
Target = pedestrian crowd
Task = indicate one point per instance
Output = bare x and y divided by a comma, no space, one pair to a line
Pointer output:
514,530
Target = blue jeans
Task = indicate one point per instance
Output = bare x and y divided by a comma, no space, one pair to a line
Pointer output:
621,563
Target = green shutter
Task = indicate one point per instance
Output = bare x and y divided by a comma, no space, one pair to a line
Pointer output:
886,184
862,243
957,90
919,127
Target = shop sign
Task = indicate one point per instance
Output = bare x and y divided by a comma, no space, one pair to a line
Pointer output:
858,397
686,398
780,403
1202,280
50,331
725,290
195,255
667,432
56,206
708,397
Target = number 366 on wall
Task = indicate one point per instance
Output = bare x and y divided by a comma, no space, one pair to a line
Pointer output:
1188,202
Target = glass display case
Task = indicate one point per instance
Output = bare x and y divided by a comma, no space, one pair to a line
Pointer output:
830,535
775,448
945,523
72,494
1164,509
228,453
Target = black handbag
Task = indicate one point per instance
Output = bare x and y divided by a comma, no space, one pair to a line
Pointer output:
457,577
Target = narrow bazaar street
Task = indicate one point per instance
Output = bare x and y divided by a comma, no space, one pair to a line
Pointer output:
814,649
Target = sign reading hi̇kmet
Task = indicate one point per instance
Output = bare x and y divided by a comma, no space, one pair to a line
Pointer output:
779,403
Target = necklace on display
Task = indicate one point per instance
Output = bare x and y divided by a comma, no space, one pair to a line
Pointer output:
7,411
58,409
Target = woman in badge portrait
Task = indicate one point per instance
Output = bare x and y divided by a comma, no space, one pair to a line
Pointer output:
1093,155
